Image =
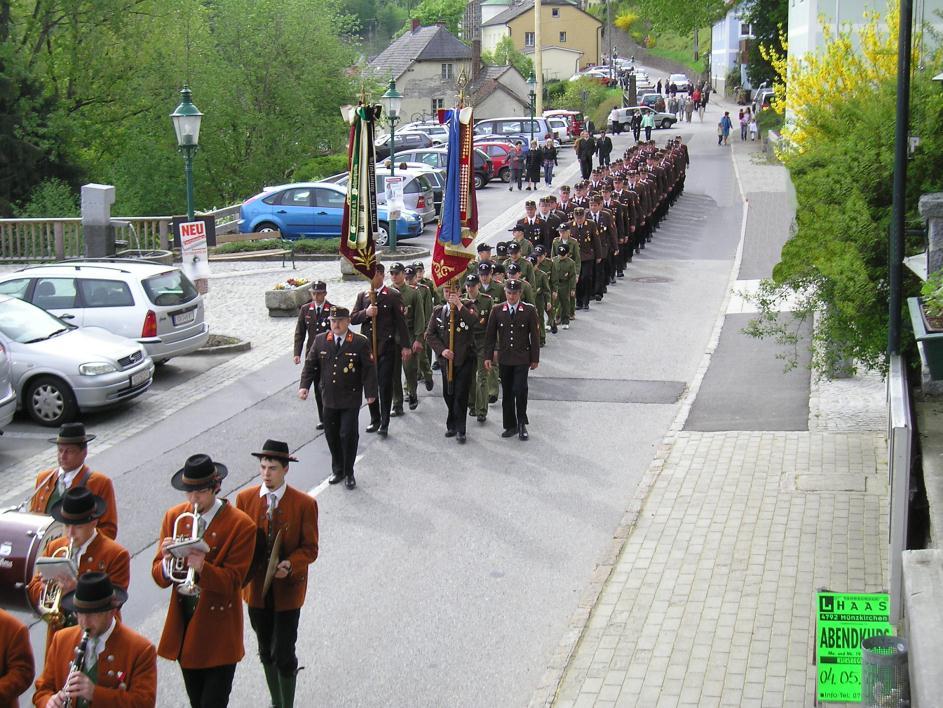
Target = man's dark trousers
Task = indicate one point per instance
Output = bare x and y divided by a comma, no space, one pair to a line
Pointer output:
457,401
514,395
343,436
380,408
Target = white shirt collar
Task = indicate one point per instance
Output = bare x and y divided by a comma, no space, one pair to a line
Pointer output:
102,639
68,476
279,493
84,547
210,513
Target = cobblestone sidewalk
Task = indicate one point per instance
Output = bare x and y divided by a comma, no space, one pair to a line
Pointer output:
706,597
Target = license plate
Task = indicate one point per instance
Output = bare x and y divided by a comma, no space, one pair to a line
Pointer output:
184,318
140,378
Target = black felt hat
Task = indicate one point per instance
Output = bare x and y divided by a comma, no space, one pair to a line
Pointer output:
198,472
93,593
72,434
78,506
275,449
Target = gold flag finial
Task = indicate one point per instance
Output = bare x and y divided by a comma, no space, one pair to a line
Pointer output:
462,82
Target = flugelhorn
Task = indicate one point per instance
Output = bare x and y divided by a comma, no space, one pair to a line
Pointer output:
176,568
51,595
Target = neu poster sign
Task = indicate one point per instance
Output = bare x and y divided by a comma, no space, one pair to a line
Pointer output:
843,620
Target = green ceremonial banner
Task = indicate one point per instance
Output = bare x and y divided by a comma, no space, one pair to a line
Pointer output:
843,620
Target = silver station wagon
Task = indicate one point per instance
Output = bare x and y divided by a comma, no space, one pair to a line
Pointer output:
154,304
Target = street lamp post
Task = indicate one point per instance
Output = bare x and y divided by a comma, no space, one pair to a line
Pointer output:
532,83
186,119
393,102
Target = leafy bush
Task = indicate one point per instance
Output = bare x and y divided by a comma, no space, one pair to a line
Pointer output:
51,198
625,22
318,245
320,167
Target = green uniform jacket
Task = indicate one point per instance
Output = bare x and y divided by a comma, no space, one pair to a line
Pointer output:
496,292
567,273
527,268
574,247
483,305
414,312
527,294
549,268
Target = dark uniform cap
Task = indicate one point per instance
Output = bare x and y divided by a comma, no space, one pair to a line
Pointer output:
565,226
318,286
409,271
514,247
544,200
530,203
339,313
563,249
596,199
484,268
484,247
472,279
512,268
565,188
497,268
532,258
418,265
501,248
539,249
516,228
513,285
579,211
397,267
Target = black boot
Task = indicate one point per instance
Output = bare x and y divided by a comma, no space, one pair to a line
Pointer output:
287,684
271,679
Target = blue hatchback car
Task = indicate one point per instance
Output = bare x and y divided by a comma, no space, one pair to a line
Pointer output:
314,210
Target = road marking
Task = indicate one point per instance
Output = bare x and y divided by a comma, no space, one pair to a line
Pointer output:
314,491
25,436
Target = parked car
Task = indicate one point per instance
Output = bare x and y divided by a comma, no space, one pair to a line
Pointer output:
435,176
437,157
7,393
314,210
653,100
506,127
60,370
560,129
574,120
404,141
438,132
681,81
497,152
154,304
662,120
762,99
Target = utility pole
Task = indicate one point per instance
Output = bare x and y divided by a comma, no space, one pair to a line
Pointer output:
609,35
538,59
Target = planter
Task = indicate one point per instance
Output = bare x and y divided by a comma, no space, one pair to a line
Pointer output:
287,302
929,339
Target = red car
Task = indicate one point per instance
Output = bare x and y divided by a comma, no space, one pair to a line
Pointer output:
498,152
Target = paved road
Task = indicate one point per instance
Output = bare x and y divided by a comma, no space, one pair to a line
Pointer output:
448,577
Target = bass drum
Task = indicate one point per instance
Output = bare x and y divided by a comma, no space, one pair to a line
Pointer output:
23,538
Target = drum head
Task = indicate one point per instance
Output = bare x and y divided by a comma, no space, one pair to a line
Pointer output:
23,538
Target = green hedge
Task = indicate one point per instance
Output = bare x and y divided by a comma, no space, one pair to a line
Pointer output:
320,167
307,245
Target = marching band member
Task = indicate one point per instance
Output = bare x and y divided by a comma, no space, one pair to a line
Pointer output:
100,662
80,512
72,444
203,629
16,660
287,531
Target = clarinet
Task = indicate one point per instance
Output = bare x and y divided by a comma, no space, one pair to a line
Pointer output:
78,662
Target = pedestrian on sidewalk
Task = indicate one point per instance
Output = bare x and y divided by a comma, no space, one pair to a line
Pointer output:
516,164
754,129
275,601
648,123
724,127
512,343
688,109
341,362
637,125
550,160
744,122
533,161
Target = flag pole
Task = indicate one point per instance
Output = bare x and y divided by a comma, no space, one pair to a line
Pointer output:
450,377
373,292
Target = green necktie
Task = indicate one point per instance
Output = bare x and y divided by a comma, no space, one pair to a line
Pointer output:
57,492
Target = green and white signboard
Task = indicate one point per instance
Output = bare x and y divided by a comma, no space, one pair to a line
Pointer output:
843,621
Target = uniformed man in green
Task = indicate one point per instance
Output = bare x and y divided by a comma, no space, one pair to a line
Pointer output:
489,286
567,273
517,256
416,325
541,296
549,269
478,396
427,290
484,256
527,291
517,232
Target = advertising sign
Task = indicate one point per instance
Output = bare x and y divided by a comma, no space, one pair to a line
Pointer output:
394,196
843,620
194,252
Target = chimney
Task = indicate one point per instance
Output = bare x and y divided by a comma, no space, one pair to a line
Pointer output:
476,59
440,23
415,24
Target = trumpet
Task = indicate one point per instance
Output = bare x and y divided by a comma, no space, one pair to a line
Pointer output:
78,662
176,568
51,596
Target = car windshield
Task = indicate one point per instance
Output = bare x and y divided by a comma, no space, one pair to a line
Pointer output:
25,323
169,288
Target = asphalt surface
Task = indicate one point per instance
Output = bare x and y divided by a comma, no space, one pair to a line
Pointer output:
449,575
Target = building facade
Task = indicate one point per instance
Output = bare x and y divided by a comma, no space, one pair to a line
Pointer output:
730,39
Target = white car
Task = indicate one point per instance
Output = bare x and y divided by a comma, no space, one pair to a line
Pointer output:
681,81
559,128
7,392
437,132
153,304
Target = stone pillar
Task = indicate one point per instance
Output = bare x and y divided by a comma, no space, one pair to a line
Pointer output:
931,209
96,220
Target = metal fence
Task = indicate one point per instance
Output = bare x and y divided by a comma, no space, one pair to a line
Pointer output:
54,239
899,460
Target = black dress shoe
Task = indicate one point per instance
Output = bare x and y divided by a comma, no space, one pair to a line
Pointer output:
373,427
450,433
351,482
598,299
413,402
482,418
428,383
508,433
336,478
522,432
553,329
396,412
492,399
319,426
461,438
383,431
435,365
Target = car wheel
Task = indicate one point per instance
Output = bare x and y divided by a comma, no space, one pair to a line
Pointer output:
267,227
49,401
383,234
479,181
505,174
626,127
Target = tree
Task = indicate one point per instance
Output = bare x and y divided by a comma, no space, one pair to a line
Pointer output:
429,12
682,16
840,157
506,54
767,19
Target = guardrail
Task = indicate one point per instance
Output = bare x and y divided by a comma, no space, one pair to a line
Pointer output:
58,238
900,430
